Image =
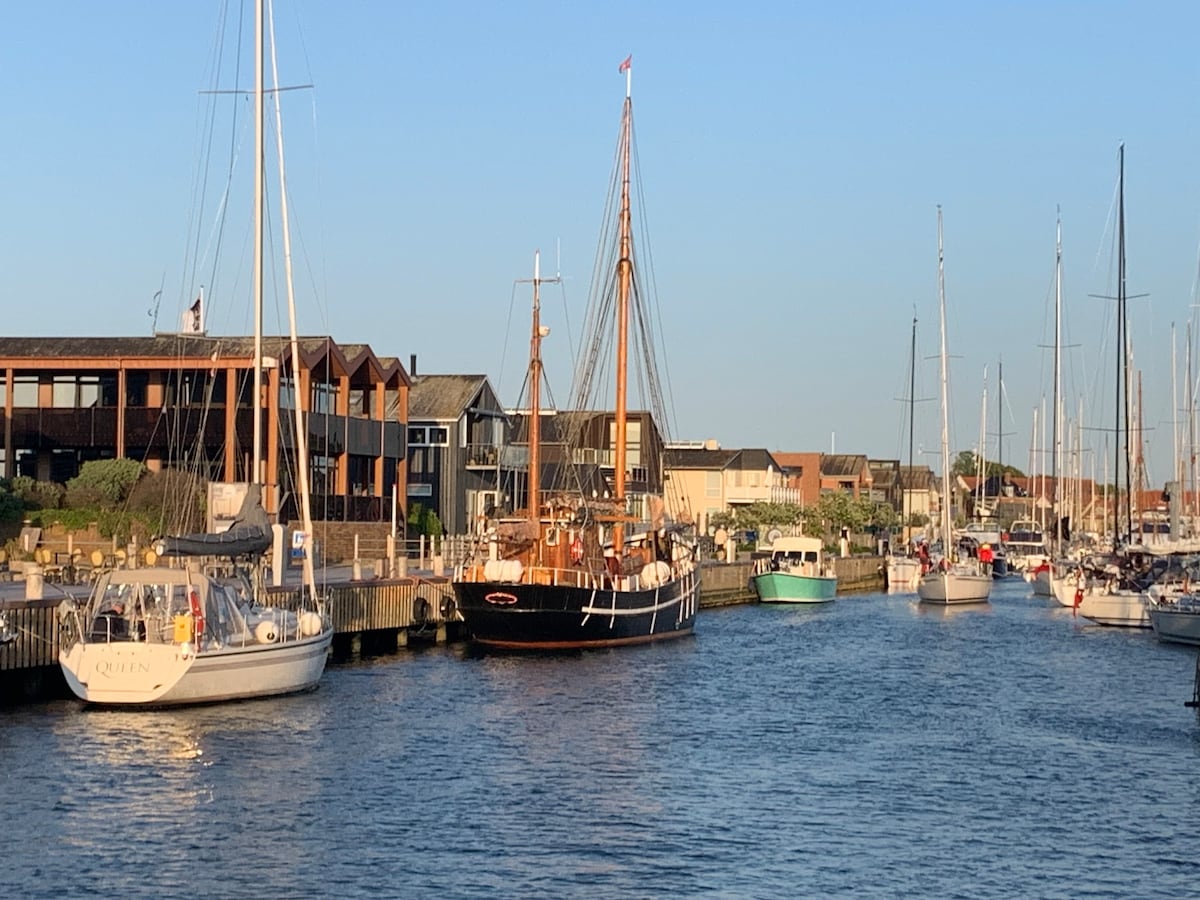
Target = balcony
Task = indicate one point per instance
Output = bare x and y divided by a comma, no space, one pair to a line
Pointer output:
491,456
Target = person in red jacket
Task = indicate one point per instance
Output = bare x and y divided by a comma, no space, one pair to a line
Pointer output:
986,557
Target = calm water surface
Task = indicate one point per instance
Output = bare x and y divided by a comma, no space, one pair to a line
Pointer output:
867,747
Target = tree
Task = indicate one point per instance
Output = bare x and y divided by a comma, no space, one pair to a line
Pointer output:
967,463
422,520
104,482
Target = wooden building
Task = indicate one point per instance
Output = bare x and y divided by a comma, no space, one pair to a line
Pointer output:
185,400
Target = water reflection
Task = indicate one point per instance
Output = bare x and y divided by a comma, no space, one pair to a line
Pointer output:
952,611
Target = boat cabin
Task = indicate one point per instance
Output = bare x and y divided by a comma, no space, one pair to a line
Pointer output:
803,555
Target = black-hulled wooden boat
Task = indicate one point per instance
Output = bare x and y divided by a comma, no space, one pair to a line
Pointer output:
588,567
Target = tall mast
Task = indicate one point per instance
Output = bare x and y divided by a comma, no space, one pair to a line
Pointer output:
945,398
1175,464
535,391
1000,417
256,473
1056,429
301,400
1191,402
912,399
624,289
981,456
1037,475
1122,433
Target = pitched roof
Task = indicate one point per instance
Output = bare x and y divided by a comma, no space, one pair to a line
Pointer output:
792,461
841,465
677,458
194,350
442,397
917,478
755,459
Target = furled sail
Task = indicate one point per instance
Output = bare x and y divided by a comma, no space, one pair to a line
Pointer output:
249,534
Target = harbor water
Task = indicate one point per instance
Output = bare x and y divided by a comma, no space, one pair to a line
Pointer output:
866,747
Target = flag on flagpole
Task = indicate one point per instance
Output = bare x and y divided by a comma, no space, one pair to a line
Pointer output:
624,67
193,323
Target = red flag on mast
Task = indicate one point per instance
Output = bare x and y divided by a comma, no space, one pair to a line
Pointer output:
624,67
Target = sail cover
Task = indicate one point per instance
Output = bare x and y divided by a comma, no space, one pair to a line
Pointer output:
249,534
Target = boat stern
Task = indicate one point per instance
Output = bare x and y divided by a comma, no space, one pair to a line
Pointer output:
124,672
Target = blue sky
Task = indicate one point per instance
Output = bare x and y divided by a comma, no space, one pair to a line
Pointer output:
793,156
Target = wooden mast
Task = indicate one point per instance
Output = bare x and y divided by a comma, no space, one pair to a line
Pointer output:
535,397
624,287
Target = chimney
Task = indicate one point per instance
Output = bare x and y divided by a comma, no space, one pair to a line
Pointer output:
412,365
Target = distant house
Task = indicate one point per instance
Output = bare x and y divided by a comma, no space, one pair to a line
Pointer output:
921,491
801,471
706,479
459,453
578,455
846,473
886,486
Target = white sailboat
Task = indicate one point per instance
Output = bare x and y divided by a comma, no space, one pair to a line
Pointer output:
1105,599
903,568
164,635
1041,575
954,580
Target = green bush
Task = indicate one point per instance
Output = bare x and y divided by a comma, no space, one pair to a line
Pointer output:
12,508
38,494
422,520
109,480
172,501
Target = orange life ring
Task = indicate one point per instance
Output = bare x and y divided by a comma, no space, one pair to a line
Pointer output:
197,614
577,550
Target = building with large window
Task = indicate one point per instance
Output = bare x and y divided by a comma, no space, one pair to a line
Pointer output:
185,401
459,452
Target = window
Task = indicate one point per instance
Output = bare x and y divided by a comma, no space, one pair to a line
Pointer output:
25,391
83,391
362,403
324,397
136,386
712,484
428,436
287,393
633,440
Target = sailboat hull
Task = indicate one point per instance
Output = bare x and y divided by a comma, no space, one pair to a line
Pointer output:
948,588
903,573
1178,622
1121,608
147,674
556,616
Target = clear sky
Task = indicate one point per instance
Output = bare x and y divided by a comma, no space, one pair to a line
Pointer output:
793,155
